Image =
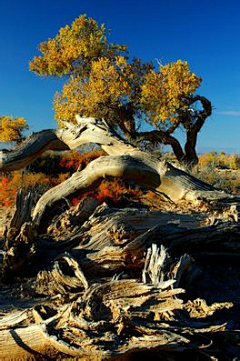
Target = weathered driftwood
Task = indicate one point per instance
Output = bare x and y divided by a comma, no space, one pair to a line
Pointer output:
30,149
135,228
107,291
19,238
124,161
22,212
110,319
98,282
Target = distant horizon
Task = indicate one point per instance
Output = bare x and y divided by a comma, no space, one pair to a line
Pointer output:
227,151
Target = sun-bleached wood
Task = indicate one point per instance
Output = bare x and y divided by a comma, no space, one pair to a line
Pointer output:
77,290
123,161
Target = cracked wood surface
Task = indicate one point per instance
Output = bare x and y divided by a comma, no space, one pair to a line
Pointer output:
105,283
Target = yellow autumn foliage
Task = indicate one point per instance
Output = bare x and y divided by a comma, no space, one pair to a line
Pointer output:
73,48
11,128
165,94
111,85
103,82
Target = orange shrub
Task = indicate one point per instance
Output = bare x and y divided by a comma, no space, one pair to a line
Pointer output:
71,161
7,193
115,193
36,183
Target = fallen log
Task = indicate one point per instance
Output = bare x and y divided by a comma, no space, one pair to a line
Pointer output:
109,283
130,163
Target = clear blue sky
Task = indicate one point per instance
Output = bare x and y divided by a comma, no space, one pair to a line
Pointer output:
205,33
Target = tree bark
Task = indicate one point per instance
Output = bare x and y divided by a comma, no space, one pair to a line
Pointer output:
192,124
163,137
193,128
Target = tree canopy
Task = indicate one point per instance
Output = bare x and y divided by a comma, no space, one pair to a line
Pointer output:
102,81
74,48
11,129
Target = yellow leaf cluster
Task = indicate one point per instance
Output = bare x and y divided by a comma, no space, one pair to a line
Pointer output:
111,85
165,93
11,128
73,48
102,82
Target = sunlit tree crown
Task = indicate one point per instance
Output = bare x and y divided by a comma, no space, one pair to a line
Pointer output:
11,128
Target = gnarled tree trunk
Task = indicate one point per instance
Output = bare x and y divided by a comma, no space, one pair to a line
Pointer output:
124,161
105,283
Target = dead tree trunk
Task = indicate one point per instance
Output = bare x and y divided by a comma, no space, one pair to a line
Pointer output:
124,161
109,284
106,288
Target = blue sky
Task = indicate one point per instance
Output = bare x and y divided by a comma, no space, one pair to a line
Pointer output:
205,33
